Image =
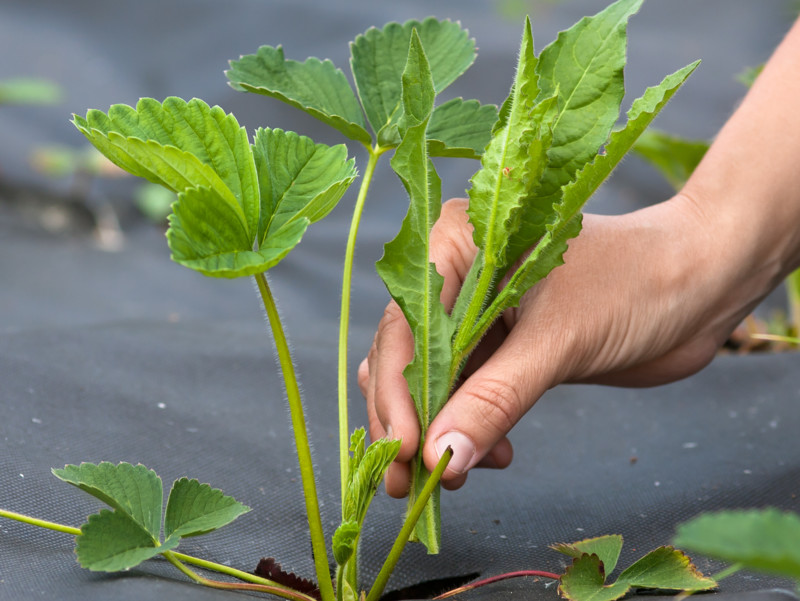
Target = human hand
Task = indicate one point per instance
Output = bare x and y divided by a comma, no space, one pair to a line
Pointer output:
640,301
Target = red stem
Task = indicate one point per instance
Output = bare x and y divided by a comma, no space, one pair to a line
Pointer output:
498,578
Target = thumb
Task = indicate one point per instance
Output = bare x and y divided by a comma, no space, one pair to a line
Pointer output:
484,409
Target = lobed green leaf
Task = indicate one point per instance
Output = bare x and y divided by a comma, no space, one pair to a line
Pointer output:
763,540
585,579
461,128
666,568
111,541
132,490
378,59
344,541
607,548
194,509
313,86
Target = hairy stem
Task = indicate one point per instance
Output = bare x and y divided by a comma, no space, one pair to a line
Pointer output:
344,316
318,545
498,578
408,527
235,586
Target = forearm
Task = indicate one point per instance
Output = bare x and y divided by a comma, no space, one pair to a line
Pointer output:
748,185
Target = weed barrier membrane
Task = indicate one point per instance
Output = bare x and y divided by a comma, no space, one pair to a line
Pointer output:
125,356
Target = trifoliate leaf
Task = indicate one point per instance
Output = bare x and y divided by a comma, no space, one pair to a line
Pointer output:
378,58
314,86
357,449
461,128
112,541
298,179
585,66
130,489
585,579
607,548
675,158
764,540
194,509
180,145
367,477
666,568
344,541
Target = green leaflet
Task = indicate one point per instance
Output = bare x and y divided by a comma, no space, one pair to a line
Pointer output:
764,540
666,568
378,59
410,278
344,541
565,224
674,157
121,539
585,65
585,580
607,548
314,86
298,179
194,509
111,541
130,489
240,209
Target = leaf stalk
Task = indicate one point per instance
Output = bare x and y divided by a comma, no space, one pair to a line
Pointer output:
302,445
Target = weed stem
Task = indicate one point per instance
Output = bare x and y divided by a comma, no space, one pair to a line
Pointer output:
318,545
408,527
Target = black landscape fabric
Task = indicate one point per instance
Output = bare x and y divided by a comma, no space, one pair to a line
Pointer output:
121,355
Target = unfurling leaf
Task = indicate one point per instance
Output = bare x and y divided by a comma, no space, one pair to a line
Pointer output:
130,489
269,569
607,548
344,541
763,540
194,509
112,541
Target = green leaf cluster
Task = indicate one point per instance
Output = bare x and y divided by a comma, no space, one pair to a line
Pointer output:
367,467
241,207
457,128
551,147
595,558
130,533
765,540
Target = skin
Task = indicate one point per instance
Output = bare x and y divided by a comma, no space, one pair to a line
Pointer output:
643,299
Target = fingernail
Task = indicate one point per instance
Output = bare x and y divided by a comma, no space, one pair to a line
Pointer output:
463,450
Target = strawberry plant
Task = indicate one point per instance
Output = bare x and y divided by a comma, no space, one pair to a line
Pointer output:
244,203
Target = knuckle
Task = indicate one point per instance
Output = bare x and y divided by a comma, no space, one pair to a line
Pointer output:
497,404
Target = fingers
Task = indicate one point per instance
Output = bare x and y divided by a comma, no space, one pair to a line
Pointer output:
476,419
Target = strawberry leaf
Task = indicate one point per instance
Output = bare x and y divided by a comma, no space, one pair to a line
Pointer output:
111,541
194,509
133,490
314,86
585,579
666,568
764,540
607,548
378,58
